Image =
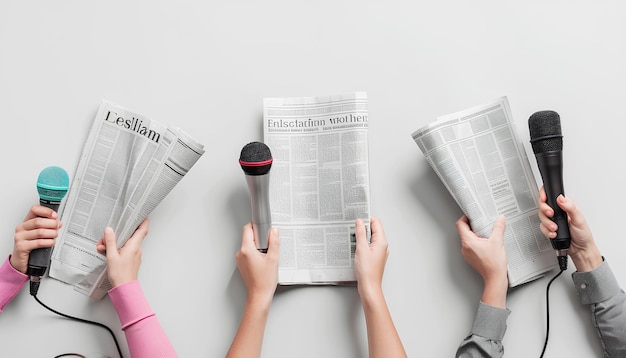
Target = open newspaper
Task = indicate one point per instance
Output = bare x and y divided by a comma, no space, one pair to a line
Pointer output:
480,160
128,165
319,184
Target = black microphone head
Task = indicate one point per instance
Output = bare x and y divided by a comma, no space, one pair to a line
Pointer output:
545,132
255,158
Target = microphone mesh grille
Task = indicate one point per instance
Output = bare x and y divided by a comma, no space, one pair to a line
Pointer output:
545,132
255,158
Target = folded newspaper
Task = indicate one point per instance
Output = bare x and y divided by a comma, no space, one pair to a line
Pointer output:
319,184
481,161
128,165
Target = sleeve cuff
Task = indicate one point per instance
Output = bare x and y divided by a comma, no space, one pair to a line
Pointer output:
130,303
11,282
490,322
596,285
10,275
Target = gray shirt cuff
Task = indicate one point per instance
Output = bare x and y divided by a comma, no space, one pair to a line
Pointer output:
596,285
490,322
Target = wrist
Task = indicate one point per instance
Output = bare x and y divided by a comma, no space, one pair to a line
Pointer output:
17,264
260,300
370,294
494,292
587,259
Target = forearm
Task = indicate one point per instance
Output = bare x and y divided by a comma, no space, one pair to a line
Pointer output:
588,259
494,292
599,289
144,334
11,282
485,338
382,336
249,338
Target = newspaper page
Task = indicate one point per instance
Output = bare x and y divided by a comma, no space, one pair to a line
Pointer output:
319,184
128,165
481,161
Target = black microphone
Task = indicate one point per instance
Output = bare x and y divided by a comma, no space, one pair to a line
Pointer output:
52,185
256,161
547,143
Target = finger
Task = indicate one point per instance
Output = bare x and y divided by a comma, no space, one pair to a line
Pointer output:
542,195
273,249
359,232
546,232
545,211
40,223
28,246
463,227
110,243
140,233
247,237
36,234
569,206
378,233
41,211
547,223
498,228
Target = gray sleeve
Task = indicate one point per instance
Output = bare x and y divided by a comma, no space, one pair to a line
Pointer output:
485,338
599,289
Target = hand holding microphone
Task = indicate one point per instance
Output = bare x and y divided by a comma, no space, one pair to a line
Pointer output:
547,143
52,185
256,161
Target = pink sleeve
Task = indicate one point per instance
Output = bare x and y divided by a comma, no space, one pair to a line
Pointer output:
11,281
144,333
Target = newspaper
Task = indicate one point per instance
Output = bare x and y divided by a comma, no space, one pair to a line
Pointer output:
128,165
319,184
481,161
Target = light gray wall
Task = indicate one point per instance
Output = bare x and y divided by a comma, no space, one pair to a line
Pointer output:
206,66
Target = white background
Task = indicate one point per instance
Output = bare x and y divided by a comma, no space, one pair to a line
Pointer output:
206,67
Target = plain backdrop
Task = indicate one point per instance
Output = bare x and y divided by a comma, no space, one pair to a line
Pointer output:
205,66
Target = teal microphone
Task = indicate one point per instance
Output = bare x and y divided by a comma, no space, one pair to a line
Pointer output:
52,185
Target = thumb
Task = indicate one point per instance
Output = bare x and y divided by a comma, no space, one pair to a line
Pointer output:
361,236
273,242
110,242
498,227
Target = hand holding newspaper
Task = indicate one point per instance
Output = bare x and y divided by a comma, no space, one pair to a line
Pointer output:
128,165
480,160
319,184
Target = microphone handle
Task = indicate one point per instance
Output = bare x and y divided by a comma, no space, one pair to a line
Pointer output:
261,214
551,167
39,259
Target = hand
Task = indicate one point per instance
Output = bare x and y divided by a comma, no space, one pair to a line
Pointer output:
123,264
488,258
258,270
38,230
370,258
583,249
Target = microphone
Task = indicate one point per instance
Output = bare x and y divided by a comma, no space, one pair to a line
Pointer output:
547,143
52,185
256,161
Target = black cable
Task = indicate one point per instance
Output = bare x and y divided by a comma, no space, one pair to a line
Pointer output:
545,344
117,345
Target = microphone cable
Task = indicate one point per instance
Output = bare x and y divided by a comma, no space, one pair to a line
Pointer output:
545,344
117,345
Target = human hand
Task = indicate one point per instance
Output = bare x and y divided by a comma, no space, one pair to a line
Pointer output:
583,249
488,257
370,258
123,264
259,270
38,230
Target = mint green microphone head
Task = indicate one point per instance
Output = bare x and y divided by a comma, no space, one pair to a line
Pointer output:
53,183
